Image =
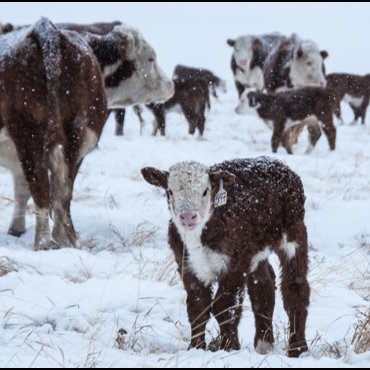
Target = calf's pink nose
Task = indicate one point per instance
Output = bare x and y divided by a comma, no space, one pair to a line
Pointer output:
188,218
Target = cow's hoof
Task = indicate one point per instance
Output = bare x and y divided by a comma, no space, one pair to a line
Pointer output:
197,345
222,343
16,233
51,245
263,347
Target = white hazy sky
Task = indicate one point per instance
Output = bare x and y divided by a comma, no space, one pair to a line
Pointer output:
195,33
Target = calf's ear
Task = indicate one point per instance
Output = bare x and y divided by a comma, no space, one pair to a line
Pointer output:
324,54
227,177
155,177
231,42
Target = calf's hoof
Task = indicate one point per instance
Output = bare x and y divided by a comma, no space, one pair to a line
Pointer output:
297,348
222,343
263,347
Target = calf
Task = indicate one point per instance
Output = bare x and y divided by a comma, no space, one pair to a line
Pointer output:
290,108
353,89
225,221
294,63
192,88
248,58
51,118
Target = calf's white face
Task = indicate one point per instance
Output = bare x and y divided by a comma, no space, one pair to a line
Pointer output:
243,50
306,68
189,187
147,84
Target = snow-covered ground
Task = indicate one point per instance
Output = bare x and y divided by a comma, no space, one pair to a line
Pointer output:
64,308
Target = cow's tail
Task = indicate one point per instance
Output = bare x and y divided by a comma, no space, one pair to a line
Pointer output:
48,38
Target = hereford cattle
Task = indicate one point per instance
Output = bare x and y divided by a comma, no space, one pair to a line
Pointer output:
248,58
290,108
51,118
192,89
225,222
294,63
353,89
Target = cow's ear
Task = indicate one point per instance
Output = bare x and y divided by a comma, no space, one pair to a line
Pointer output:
231,42
155,177
256,45
299,52
324,54
227,177
7,27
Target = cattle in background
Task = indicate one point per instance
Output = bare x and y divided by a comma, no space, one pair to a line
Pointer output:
51,118
192,89
292,109
225,222
294,63
249,55
353,89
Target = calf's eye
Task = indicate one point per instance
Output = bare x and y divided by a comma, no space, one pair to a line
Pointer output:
169,192
205,193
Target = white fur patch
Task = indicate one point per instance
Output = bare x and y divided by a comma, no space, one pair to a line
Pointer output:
258,258
204,263
109,70
356,102
251,77
89,143
290,248
8,153
263,347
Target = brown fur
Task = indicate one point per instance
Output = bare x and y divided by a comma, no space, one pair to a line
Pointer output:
192,89
353,85
297,105
265,202
41,116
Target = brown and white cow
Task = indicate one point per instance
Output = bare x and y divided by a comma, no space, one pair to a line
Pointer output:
353,89
294,63
248,58
225,221
292,109
51,118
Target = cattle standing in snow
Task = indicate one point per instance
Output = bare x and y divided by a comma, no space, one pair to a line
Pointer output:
353,89
225,221
249,55
292,108
192,88
51,118
294,63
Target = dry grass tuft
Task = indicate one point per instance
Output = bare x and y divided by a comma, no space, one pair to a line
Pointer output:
8,265
361,337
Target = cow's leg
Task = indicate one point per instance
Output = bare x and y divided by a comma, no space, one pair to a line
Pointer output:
356,113
21,197
139,111
278,129
36,173
314,134
329,129
261,289
119,115
63,232
159,123
364,106
190,116
227,309
293,255
240,88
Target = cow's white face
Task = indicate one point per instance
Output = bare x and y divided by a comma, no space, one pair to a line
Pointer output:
243,51
146,84
190,191
306,68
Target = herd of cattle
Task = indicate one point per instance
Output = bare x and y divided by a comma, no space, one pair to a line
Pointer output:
59,83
